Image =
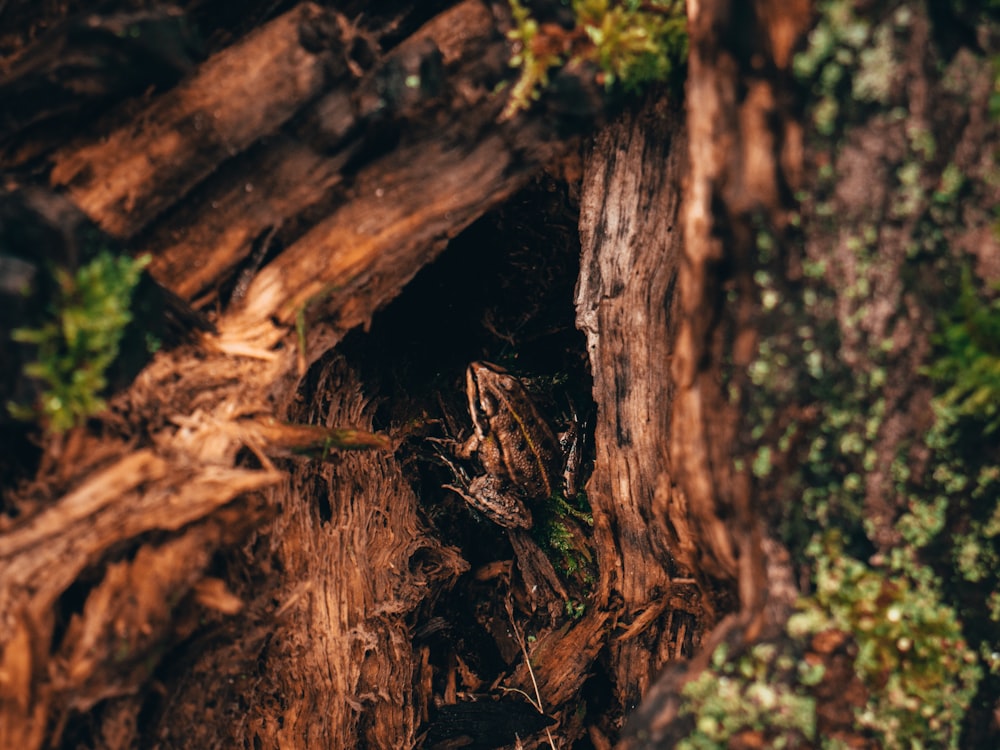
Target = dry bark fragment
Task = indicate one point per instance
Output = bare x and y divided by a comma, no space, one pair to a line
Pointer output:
83,65
561,662
338,667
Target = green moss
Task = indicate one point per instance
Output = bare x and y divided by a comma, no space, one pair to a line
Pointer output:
763,691
968,366
80,339
634,46
873,81
912,655
533,62
630,43
823,420
955,511
557,531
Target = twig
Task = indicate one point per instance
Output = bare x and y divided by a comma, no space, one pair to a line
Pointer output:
519,637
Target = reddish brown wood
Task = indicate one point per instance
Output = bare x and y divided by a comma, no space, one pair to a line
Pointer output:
247,202
337,666
268,194
245,92
632,243
736,173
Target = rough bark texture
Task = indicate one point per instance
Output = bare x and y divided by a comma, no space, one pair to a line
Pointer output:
743,149
336,667
246,91
811,240
632,242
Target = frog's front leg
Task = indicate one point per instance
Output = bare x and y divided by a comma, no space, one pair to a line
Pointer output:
465,449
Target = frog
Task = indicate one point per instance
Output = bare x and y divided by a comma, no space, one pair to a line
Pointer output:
518,450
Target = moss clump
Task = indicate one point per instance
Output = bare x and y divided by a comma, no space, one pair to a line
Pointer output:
917,671
557,529
763,692
630,43
79,340
911,653
954,510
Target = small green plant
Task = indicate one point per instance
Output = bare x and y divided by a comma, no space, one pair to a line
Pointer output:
631,43
575,609
558,532
80,339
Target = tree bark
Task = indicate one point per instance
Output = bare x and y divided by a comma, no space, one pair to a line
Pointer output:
330,658
631,245
741,142
779,196
241,94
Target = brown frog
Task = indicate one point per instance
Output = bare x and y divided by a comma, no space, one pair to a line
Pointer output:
517,448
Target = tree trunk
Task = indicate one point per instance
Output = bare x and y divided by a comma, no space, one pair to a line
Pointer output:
804,342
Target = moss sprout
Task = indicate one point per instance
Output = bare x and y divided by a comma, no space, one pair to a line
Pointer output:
557,531
79,341
969,365
630,43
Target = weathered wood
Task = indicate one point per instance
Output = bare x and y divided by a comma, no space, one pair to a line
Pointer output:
235,98
246,202
632,242
736,173
84,65
355,560
42,556
561,662
403,210
262,195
